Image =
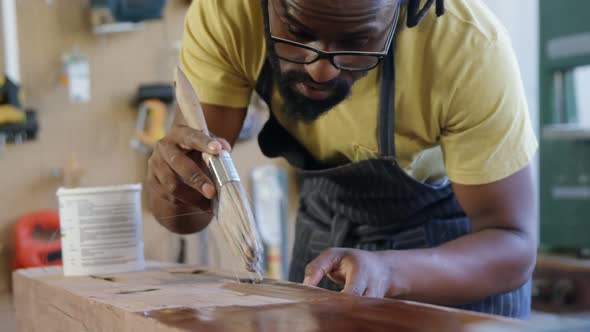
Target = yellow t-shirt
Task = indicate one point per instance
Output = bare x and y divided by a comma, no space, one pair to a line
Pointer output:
460,105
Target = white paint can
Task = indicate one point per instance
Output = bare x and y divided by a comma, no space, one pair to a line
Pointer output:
101,229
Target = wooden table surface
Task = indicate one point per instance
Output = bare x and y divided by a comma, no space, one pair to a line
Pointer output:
173,298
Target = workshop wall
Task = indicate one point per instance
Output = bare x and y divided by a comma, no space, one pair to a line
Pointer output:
95,134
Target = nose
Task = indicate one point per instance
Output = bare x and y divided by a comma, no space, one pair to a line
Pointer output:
322,71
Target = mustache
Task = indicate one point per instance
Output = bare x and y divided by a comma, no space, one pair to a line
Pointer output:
299,106
303,77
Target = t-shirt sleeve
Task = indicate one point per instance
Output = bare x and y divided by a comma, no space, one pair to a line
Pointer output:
487,133
211,54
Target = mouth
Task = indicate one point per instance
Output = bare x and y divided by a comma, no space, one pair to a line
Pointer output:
314,91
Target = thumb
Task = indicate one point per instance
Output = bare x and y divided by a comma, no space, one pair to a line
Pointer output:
321,266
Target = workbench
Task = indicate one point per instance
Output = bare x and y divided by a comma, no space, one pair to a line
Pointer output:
562,285
169,297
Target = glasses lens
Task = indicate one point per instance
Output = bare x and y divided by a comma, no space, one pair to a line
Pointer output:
294,53
299,54
356,62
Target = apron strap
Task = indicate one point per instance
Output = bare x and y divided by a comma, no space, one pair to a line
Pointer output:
386,120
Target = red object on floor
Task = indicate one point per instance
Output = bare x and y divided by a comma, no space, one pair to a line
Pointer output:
37,241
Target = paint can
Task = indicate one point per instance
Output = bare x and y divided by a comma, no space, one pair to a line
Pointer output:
101,229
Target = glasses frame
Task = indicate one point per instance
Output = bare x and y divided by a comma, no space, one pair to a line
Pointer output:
330,55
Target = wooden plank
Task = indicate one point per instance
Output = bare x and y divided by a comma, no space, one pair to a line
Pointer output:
168,297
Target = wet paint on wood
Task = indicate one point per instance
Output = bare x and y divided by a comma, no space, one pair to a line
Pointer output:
167,298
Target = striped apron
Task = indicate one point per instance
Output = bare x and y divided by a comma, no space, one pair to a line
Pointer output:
372,204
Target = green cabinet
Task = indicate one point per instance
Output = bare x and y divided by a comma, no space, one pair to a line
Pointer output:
565,124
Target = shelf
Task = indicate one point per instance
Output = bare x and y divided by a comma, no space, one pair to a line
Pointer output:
566,132
102,29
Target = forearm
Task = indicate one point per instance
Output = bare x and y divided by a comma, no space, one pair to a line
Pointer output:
465,270
177,217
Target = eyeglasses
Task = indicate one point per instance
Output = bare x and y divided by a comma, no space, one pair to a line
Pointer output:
295,52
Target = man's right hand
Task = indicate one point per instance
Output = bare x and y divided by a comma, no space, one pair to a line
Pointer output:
178,185
178,181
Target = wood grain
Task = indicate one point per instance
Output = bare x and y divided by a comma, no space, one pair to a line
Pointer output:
177,298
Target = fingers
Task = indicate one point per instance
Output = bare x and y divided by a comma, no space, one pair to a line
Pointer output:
375,290
164,183
192,200
183,167
378,286
191,139
322,266
176,171
177,175
361,272
355,285
224,143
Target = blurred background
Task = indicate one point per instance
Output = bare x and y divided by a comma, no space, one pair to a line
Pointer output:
86,90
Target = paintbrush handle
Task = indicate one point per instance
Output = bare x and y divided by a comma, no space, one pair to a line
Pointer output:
188,101
234,210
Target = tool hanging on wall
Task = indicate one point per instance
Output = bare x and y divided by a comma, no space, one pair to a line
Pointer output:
10,112
155,104
76,75
16,123
37,240
108,16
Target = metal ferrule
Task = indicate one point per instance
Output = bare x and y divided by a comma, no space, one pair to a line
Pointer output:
222,168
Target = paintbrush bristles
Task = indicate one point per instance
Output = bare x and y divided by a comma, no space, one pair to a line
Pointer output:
234,213
238,226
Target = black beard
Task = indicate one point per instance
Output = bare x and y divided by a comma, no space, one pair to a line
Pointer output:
299,106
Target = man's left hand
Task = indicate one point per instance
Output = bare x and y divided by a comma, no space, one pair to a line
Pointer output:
362,273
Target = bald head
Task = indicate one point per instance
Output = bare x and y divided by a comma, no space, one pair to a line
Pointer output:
340,12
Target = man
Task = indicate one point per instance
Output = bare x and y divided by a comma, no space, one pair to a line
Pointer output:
413,141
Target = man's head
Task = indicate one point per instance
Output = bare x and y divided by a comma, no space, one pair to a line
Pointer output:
310,82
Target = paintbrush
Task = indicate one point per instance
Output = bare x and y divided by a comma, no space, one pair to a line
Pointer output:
231,206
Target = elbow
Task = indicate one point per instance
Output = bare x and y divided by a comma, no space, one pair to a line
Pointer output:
527,268
523,260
